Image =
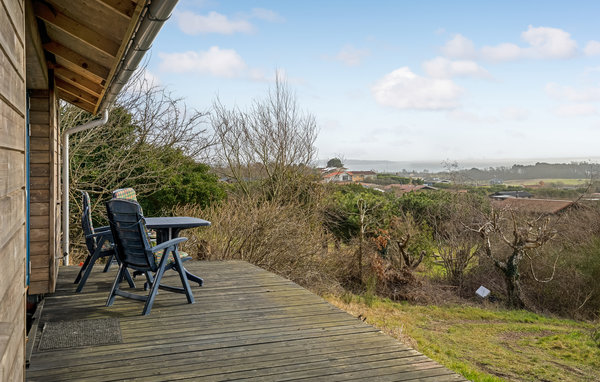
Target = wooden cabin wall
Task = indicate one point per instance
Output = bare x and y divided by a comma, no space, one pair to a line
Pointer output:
44,191
12,190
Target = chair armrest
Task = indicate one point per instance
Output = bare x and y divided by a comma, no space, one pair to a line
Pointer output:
108,234
102,229
168,244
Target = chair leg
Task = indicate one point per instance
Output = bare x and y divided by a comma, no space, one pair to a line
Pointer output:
85,264
88,270
115,287
129,280
183,276
149,280
108,263
154,288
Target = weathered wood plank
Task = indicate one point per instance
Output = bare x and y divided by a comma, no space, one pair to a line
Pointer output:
39,248
12,217
39,209
39,196
41,170
12,171
11,262
12,87
12,39
38,103
124,7
39,234
12,128
39,274
38,157
76,29
246,324
39,143
95,16
15,14
77,92
39,117
39,222
78,81
77,63
73,99
35,64
40,130
37,287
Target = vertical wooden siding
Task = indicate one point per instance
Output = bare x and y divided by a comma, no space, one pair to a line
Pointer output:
12,190
44,232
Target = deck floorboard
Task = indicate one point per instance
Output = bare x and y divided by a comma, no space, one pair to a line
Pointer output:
246,324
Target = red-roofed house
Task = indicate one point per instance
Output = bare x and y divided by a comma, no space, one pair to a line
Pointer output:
534,206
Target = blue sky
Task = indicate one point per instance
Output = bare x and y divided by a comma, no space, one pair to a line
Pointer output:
402,80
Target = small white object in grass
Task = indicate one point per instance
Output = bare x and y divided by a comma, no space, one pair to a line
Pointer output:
482,292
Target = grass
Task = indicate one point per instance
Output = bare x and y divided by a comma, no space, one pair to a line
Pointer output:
487,344
548,182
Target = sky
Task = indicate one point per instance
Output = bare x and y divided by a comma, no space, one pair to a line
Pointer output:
401,80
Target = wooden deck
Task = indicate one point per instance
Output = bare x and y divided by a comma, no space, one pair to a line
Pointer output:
246,324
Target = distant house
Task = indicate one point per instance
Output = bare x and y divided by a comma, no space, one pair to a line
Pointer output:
535,206
500,195
361,176
337,176
496,181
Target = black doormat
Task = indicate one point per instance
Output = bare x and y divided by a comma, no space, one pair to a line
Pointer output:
72,334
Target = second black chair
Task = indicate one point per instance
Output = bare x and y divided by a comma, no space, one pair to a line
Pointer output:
99,244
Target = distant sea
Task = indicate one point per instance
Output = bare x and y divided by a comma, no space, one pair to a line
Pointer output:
436,166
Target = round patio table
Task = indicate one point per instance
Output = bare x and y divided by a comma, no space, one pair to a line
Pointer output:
168,228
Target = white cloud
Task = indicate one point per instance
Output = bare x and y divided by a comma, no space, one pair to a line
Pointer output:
459,47
193,24
502,52
544,43
267,15
514,113
592,48
404,89
572,94
549,42
215,61
351,56
576,110
441,67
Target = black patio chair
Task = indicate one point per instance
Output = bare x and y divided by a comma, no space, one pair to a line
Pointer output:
99,244
135,252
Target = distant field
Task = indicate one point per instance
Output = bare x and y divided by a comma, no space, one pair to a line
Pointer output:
566,182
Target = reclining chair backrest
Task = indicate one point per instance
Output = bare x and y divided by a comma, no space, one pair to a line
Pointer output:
129,233
86,223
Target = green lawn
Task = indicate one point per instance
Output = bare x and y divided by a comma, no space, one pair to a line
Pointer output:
487,344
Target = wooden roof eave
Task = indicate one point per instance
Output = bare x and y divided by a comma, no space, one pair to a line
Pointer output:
79,47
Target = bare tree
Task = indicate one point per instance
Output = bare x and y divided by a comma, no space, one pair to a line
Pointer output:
272,142
525,235
135,147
